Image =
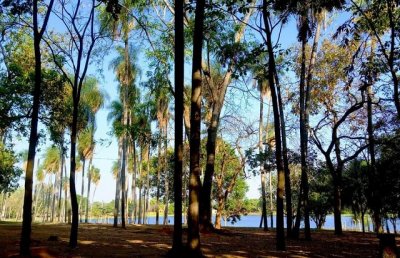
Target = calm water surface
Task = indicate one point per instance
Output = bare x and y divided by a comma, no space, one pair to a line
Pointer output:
348,223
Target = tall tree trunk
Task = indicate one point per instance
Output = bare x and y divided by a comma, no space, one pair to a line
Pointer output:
280,233
193,243
271,201
54,195
73,240
133,188
82,190
88,191
118,187
166,170
288,188
61,184
147,185
36,196
262,170
33,137
159,176
372,175
219,94
303,196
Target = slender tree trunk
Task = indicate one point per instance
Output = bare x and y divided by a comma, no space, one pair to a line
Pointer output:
219,97
158,177
118,187
372,175
73,240
303,196
133,189
262,170
88,191
61,184
288,188
271,201
193,242
82,190
33,137
65,195
166,170
280,234
140,203
54,196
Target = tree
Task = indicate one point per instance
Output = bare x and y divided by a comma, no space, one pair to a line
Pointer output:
320,202
81,29
10,173
193,242
52,164
33,138
218,89
178,144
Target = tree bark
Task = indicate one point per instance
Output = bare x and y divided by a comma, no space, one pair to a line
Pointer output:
280,234
117,187
262,170
88,191
219,97
165,166
158,177
193,243
337,202
179,109
33,137
82,190
61,183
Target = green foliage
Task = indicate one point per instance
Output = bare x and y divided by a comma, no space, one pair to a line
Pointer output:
320,198
9,171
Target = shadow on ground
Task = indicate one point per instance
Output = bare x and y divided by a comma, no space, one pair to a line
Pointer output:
98,240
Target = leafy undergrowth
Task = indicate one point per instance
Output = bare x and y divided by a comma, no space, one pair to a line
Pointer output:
99,240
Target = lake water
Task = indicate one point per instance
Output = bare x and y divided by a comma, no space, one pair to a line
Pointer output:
348,222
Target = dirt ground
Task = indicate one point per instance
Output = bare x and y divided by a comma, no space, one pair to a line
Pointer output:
99,240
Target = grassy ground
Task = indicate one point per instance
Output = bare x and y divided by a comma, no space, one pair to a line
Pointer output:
97,240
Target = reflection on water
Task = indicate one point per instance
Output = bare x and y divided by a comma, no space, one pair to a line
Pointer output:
348,223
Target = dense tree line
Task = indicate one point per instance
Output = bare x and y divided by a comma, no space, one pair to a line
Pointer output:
328,140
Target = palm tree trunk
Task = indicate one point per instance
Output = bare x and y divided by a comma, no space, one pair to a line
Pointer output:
88,191
54,195
61,184
133,188
117,188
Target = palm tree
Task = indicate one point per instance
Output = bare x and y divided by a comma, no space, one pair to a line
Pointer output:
93,176
84,152
124,67
52,164
162,117
93,99
116,116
